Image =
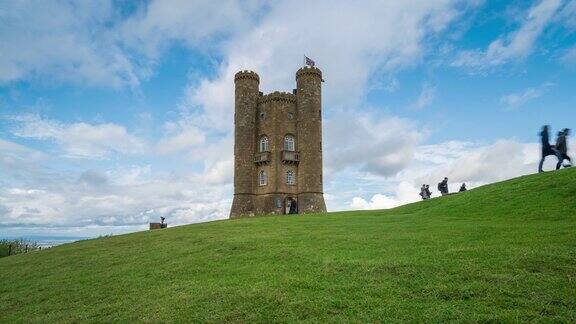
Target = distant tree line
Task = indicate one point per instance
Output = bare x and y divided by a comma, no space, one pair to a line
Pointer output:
16,246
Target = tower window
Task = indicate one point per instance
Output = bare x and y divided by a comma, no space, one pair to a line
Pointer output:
289,143
262,179
290,115
262,115
264,144
290,177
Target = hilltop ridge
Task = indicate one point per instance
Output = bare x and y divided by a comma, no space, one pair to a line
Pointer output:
501,252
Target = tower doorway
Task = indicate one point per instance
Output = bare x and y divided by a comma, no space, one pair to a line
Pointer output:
290,205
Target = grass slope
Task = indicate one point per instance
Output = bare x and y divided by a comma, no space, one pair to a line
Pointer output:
503,252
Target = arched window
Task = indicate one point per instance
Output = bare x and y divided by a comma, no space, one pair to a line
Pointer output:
290,177
262,179
289,143
264,144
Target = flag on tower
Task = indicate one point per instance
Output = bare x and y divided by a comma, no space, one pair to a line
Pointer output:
309,61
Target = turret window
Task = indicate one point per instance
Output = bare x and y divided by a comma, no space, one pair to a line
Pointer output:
262,178
289,143
290,177
264,144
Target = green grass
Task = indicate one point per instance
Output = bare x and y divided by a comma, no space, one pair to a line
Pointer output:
503,252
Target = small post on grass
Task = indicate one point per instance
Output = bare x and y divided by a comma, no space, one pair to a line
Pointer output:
26,250
9,249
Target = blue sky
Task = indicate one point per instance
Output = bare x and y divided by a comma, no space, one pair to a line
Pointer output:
113,114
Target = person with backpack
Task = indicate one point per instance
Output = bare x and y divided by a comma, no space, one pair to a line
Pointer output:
428,192
562,149
424,192
443,187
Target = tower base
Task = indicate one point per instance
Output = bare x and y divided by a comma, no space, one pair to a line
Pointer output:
242,206
311,202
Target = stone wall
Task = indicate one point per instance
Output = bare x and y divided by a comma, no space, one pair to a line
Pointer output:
276,115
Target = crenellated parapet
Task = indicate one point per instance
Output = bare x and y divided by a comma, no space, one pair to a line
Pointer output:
278,146
278,96
307,70
246,74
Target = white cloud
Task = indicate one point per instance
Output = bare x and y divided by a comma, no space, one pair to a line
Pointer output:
515,100
347,53
114,198
462,162
80,140
517,44
377,144
154,26
426,96
95,43
568,14
17,160
62,40
182,136
404,194
569,57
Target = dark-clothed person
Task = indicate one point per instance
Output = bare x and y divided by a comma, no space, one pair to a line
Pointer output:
562,148
293,207
443,187
547,149
463,187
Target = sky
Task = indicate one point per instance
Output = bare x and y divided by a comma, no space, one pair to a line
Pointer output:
114,113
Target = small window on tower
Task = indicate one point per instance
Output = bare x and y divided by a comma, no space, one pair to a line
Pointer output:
289,143
290,115
290,177
262,179
264,144
262,115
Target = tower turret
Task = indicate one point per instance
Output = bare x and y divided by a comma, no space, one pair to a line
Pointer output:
309,103
245,107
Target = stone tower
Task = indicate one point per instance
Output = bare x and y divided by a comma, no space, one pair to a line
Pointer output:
278,147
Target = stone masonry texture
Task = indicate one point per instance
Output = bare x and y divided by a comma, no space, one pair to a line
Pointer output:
273,118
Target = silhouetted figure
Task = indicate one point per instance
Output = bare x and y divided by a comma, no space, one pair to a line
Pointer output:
424,193
463,188
547,149
443,187
293,207
162,219
428,192
562,148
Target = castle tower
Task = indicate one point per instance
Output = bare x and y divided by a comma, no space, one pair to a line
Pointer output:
246,103
309,102
278,147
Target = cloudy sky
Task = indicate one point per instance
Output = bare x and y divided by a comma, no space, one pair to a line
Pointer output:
114,113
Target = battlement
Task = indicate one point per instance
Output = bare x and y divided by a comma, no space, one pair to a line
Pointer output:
278,146
309,70
278,96
246,74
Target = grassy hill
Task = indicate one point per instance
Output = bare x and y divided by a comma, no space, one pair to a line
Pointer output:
503,252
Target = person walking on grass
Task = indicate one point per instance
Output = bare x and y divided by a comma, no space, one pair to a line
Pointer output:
463,187
443,187
424,193
562,149
547,149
